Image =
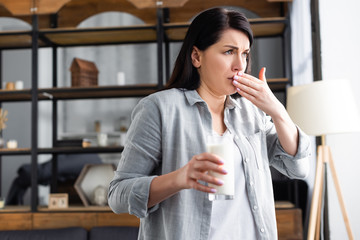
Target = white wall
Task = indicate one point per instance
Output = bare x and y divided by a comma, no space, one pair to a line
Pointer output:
340,48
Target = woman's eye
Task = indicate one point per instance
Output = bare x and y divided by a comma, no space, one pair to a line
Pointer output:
230,52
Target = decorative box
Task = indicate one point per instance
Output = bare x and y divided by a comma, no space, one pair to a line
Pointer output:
83,73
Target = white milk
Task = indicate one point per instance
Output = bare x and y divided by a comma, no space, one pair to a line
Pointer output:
222,147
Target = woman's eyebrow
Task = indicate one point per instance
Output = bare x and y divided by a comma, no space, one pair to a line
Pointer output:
237,48
231,46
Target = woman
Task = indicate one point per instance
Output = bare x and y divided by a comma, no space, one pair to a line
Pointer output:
162,175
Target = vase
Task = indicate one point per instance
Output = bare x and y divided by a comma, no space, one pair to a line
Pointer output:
2,141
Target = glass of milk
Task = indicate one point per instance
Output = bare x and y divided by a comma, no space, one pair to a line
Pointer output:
222,146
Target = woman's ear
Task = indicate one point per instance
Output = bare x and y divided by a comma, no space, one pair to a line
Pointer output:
195,57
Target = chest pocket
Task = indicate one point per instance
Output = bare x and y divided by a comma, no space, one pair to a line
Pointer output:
258,147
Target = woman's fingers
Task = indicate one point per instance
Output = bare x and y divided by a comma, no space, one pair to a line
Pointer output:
205,162
209,157
200,187
247,82
257,91
262,74
196,172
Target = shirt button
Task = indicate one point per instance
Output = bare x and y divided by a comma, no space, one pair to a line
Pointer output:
255,207
236,137
262,230
245,160
251,183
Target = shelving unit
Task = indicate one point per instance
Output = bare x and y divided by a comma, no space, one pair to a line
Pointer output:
162,26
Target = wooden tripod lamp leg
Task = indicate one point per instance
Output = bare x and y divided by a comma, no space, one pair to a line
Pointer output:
319,175
339,194
320,204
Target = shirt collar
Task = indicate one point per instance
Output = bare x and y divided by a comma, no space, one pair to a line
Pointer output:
231,103
193,97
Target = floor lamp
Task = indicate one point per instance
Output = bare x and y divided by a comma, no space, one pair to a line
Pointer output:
322,108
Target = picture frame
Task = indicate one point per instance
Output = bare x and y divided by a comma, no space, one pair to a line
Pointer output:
58,201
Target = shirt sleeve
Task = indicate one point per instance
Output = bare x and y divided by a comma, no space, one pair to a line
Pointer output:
129,189
292,166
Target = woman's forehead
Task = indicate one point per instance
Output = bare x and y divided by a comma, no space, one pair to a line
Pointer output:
234,37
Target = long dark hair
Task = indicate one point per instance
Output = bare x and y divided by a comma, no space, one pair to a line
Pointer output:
204,31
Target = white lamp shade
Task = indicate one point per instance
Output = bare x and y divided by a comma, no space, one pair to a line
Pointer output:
324,107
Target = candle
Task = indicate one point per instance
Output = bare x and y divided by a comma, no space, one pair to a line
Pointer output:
19,85
2,202
121,78
11,144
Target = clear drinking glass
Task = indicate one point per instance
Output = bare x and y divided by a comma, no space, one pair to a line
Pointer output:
222,146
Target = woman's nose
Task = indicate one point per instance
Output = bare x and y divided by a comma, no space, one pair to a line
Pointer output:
239,64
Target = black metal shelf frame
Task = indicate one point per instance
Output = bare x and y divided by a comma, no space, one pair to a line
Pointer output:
39,40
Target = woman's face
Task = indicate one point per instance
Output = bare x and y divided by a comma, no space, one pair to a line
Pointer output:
218,64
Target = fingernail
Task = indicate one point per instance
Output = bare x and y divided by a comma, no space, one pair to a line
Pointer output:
238,89
236,77
240,73
224,170
219,181
213,190
235,82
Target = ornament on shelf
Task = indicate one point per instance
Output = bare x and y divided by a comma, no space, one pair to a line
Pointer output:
3,120
12,144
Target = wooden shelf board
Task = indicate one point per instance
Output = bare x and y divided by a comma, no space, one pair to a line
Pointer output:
284,205
16,151
24,209
279,0
95,36
15,95
261,27
67,93
21,8
15,209
15,220
278,84
127,34
76,209
17,39
72,93
59,150
82,218
289,223
289,220
112,149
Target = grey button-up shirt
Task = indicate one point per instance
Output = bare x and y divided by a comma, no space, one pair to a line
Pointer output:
168,128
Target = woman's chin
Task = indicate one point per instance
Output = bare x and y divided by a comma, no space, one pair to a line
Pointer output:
232,91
